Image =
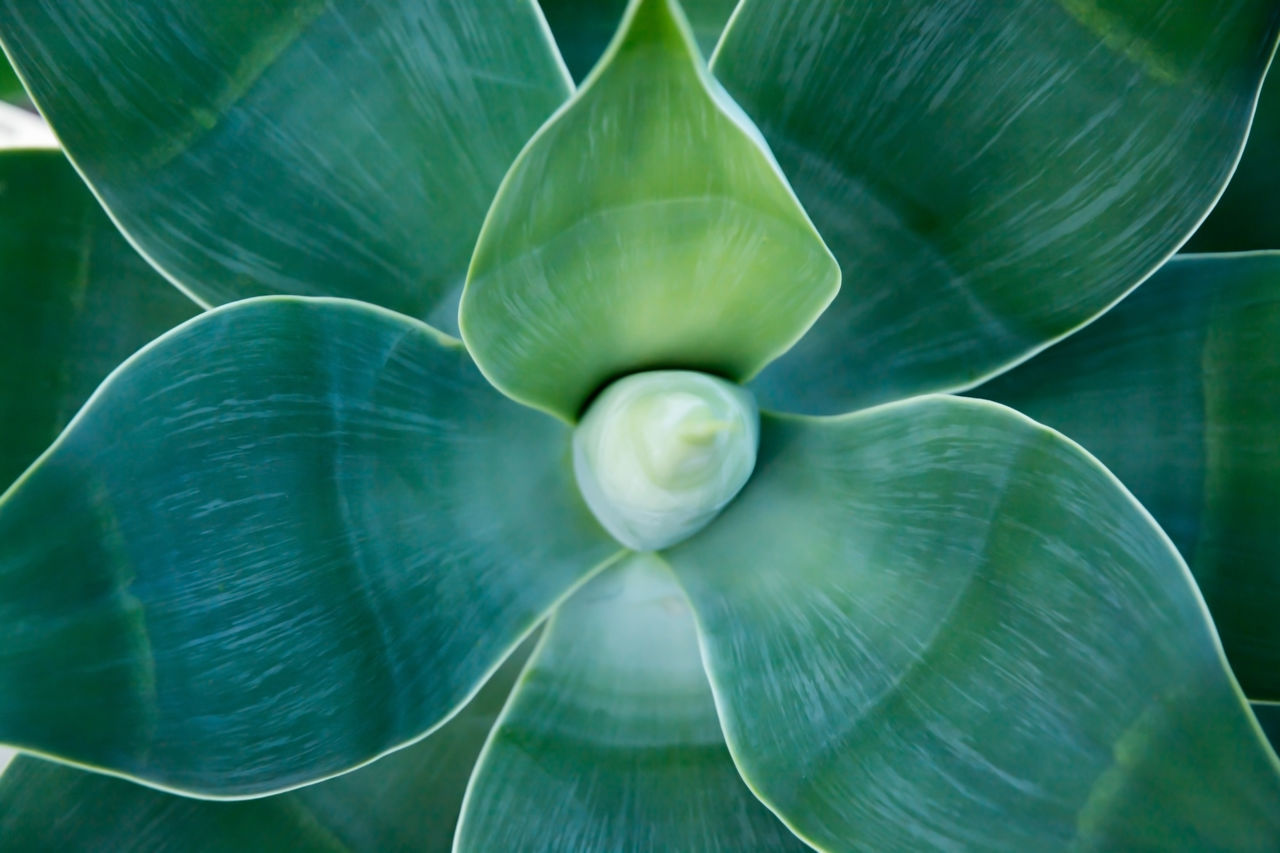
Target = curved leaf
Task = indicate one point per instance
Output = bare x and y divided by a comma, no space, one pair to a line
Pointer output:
645,226
611,741
938,625
300,146
287,537
406,801
75,301
1177,390
989,177
1248,214
583,30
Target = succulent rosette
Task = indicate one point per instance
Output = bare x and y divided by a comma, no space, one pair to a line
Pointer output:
673,460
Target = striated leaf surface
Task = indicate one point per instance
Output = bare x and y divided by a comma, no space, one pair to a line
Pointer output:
990,175
938,625
302,146
287,537
406,801
1177,390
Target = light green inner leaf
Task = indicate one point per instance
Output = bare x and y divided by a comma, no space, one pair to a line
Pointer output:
645,226
610,740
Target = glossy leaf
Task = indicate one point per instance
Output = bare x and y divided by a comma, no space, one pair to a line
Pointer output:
1248,214
610,740
291,535
406,801
938,625
301,146
646,226
583,30
75,301
1177,390
990,177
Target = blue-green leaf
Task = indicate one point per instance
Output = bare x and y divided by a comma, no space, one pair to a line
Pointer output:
75,301
645,226
298,146
1177,390
610,740
287,537
989,177
938,625
406,801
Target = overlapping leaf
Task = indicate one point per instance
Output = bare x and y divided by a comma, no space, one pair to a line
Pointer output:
325,149
645,226
938,625
289,536
990,175
1177,390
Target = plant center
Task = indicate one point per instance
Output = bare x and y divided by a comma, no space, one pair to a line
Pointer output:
659,454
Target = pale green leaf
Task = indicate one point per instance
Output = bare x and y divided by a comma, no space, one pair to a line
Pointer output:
645,226
610,740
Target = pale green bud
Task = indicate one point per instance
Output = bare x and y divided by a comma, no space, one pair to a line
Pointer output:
659,454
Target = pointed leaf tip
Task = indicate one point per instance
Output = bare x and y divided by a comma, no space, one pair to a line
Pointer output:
645,226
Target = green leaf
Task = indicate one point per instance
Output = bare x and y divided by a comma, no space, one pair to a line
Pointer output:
10,86
610,740
1248,214
646,226
1177,390
583,30
938,625
989,178
75,301
287,537
298,146
406,801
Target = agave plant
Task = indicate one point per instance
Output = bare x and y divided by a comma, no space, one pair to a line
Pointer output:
718,379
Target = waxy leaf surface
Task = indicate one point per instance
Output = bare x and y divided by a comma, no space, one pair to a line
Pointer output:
611,741
989,175
583,30
938,625
1177,391
302,146
291,535
75,301
645,226
408,800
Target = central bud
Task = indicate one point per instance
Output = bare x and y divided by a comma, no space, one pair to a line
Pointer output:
659,454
